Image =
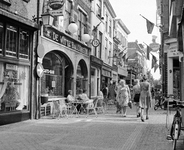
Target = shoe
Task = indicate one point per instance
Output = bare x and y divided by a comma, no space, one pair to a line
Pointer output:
147,117
138,115
142,119
124,115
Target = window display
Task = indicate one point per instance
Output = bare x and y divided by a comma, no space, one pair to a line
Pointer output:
14,87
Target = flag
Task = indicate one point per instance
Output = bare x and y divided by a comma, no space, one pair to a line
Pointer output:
156,67
154,61
148,51
150,26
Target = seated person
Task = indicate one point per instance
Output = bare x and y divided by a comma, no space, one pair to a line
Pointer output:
83,96
70,98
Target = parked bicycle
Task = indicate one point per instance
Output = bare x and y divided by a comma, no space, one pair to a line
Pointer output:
176,126
159,102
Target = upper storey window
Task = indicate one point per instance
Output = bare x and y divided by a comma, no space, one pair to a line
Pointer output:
82,20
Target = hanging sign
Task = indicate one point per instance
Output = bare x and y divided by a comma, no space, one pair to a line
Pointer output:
95,42
39,70
56,4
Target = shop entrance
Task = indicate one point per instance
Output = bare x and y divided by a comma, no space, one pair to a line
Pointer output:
57,77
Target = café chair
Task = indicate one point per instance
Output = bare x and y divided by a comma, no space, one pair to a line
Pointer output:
92,106
60,109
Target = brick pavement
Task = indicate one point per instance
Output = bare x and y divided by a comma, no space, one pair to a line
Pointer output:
106,132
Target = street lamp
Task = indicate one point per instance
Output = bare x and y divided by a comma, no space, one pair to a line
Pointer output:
47,18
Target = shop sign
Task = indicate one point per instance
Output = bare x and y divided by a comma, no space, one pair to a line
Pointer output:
11,67
60,38
58,12
96,60
155,47
106,73
47,71
56,4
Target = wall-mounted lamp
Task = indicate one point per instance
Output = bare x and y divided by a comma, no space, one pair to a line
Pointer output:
47,18
73,27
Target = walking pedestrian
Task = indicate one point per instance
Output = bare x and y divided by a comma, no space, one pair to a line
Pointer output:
123,96
105,94
118,107
111,92
145,97
136,96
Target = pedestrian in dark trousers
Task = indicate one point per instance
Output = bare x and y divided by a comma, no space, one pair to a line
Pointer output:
136,96
118,106
105,94
111,92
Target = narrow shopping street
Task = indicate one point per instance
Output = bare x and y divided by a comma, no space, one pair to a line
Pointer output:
108,131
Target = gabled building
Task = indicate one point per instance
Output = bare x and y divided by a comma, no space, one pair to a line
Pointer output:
135,62
121,33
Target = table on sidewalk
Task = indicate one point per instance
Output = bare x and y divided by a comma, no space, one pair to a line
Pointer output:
82,104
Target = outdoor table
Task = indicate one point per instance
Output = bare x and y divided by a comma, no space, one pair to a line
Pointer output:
81,103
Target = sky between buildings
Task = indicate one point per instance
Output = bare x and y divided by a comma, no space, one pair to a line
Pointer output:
129,12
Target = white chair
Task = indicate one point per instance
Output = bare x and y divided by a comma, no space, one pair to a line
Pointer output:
92,106
60,109
100,105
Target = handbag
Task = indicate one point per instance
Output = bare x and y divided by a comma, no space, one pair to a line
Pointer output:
130,104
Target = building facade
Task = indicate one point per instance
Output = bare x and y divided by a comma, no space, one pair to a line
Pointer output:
107,54
17,44
97,44
66,58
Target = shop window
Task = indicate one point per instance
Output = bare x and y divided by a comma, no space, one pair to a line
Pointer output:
93,82
81,81
1,38
24,44
52,82
14,87
11,41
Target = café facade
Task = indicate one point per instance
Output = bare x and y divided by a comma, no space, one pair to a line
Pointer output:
66,64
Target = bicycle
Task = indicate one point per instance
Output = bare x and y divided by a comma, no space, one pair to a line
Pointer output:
159,102
176,126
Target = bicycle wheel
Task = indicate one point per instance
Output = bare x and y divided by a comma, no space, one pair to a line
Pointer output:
155,107
175,134
174,144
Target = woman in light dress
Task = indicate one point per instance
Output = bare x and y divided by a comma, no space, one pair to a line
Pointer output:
136,96
123,96
145,97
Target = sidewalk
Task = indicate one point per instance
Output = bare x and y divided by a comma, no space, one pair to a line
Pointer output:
105,132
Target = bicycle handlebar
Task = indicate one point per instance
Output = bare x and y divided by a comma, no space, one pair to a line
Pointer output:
178,103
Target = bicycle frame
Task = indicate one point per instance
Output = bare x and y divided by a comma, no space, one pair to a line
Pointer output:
176,125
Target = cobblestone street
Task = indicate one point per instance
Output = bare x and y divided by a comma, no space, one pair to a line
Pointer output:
108,131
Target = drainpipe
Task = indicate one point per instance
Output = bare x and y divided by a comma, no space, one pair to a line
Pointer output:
37,97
